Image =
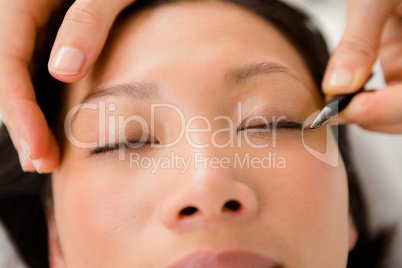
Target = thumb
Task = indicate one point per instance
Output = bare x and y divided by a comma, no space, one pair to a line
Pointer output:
351,64
82,36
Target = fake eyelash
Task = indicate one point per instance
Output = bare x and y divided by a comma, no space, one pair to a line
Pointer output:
140,144
277,125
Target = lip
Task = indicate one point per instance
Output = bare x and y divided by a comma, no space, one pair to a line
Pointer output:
232,259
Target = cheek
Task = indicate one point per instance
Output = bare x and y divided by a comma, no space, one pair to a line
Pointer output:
307,204
98,212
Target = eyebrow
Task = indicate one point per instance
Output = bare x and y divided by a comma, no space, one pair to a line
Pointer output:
149,91
244,73
136,91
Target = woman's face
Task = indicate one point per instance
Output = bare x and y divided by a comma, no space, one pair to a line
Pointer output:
197,82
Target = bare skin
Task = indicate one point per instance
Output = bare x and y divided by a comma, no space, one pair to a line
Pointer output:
373,30
106,213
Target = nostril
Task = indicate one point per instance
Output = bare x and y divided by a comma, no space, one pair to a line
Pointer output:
188,211
232,205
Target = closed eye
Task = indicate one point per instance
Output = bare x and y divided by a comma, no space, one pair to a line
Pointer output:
143,145
131,144
273,126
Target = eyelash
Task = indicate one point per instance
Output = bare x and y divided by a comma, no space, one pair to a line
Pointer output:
278,125
117,146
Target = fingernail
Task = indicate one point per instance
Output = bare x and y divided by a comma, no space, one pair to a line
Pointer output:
25,147
340,78
67,61
36,164
23,160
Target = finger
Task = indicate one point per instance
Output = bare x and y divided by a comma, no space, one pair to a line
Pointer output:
379,107
20,111
51,159
385,128
391,50
18,107
351,64
26,164
44,165
82,36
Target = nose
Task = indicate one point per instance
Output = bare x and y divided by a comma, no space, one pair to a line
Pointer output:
208,196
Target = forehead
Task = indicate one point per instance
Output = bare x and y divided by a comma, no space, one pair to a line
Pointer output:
190,42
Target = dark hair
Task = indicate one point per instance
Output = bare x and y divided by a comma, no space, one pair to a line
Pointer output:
22,195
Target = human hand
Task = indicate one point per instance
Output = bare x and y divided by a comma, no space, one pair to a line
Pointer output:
374,28
79,42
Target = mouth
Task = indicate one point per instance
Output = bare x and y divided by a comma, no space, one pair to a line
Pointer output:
232,259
